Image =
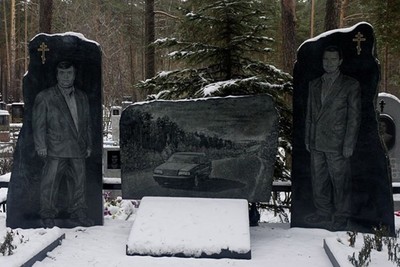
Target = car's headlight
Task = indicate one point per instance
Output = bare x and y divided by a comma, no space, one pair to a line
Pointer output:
184,173
158,171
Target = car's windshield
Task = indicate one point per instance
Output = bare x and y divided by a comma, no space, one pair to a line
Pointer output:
194,159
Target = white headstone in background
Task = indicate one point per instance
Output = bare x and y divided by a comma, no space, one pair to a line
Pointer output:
389,121
111,162
115,117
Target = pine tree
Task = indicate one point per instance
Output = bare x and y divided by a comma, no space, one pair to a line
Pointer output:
221,43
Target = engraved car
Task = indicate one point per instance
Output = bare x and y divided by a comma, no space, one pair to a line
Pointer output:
183,169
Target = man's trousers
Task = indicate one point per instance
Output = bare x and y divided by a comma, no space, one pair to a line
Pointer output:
54,170
331,183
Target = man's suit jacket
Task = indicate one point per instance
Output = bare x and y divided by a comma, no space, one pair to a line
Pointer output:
54,128
333,125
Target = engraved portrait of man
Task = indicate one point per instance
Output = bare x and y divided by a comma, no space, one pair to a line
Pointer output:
62,138
332,126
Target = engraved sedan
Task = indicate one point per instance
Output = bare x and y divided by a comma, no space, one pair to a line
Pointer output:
183,169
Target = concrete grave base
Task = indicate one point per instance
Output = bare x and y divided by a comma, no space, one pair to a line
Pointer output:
41,255
191,227
32,245
339,252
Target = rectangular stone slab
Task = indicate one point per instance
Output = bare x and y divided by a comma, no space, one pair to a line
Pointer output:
216,147
191,227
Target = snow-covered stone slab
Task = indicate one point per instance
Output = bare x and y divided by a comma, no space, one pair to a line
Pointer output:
191,227
32,245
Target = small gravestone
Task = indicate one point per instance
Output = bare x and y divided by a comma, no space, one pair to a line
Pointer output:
112,162
4,126
115,118
17,112
217,147
336,141
388,106
57,171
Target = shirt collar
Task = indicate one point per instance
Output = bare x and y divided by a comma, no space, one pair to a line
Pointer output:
331,76
66,91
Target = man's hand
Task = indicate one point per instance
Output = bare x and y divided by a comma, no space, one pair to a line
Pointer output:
308,147
88,153
347,152
42,153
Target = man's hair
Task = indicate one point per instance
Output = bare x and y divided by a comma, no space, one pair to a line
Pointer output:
65,65
334,48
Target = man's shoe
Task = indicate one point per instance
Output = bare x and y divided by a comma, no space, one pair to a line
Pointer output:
82,221
316,219
48,223
85,222
339,225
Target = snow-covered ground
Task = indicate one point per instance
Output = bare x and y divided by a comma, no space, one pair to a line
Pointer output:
272,244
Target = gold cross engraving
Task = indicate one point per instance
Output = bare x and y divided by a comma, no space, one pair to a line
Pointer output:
43,48
359,38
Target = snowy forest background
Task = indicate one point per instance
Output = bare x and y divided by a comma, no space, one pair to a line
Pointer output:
174,49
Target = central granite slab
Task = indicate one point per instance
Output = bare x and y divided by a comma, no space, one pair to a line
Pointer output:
209,147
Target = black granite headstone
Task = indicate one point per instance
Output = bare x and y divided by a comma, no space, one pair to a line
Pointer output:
23,199
216,147
371,202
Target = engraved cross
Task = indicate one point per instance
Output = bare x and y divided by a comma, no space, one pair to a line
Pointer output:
43,48
359,38
382,105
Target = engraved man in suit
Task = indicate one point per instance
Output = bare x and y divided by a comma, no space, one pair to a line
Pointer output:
62,137
332,125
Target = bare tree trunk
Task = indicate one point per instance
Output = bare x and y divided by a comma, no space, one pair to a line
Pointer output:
312,16
288,34
8,76
149,38
26,36
13,53
332,13
45,15
386,50
343,7
385,67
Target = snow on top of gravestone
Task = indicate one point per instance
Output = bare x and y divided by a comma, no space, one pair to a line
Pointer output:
184,100
389,96
76,34
4,112
324,34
